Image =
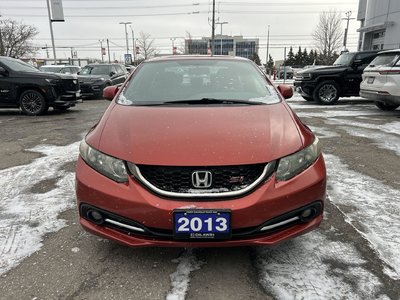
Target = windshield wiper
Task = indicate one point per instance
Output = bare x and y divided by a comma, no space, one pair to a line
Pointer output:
214,101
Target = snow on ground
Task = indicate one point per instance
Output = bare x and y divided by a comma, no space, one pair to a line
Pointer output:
180,279
26,215
315,267
375,210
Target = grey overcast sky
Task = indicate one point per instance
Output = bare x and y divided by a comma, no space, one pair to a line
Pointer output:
88,21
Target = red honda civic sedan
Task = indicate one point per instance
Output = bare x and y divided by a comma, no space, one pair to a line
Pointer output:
199,151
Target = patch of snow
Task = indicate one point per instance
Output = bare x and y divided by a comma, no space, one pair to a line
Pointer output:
75,249
323,132
26,216
315,267
180,279
375,210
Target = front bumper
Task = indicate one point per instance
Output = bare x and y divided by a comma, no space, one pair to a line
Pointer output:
134,205
91,89
305,88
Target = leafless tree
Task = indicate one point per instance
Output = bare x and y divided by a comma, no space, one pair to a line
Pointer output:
328,35
146,46
15,38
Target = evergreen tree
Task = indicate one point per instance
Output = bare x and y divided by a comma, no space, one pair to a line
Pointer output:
305,58
256,59
290,57
298,57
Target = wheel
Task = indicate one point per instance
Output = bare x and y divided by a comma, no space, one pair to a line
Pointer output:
326,93
308,98
386,107
32,103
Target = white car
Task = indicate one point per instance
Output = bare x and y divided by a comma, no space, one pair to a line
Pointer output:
381,80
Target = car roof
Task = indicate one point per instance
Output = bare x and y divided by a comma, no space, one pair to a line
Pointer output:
199,57
390,51
58,66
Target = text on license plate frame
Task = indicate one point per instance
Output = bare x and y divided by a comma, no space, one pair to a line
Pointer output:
202,223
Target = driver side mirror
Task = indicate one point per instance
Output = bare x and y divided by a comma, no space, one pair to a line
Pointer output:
112,74
357,63
3,71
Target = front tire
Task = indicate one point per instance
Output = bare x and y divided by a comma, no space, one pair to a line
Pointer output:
32,103
326,93
386,107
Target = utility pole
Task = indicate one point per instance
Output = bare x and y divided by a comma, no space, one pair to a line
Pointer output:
108,51
221,23
101,50
348,14
213,29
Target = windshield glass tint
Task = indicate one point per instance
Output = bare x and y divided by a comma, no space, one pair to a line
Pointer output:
385,59
96,70
344,59
50,69
19,65
185,80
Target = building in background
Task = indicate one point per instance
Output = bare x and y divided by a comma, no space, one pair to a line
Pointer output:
224,45
380,24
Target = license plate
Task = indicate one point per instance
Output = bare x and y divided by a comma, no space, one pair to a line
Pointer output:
202,224
370,80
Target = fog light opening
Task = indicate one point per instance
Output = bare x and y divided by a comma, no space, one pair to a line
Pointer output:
307,214
95,216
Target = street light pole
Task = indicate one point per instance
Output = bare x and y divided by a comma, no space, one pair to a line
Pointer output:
173,45
213,29
348,15
221,23
267,57
133,44
126,35
51,33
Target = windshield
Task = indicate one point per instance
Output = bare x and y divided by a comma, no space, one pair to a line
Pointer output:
50,69
188,81
18,65
344,59
96,70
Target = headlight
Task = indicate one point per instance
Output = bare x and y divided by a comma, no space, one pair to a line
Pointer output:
99,80
109,166
53,80
306,76
292,165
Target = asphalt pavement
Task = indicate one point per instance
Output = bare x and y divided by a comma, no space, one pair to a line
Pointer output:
44,253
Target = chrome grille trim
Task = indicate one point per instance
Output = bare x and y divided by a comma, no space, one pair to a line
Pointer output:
268,170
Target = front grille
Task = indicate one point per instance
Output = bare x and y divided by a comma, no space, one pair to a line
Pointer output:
70,84
179,179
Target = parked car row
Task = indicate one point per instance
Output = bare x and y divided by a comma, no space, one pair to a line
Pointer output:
371,74
60,86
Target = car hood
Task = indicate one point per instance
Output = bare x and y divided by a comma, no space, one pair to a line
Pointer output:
91,77
325,70
198,136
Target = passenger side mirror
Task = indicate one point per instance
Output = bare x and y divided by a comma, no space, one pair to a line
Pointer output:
112,74
357,63
285,90
110,92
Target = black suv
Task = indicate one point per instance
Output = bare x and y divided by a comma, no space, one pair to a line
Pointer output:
24,86
326,84
94,78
